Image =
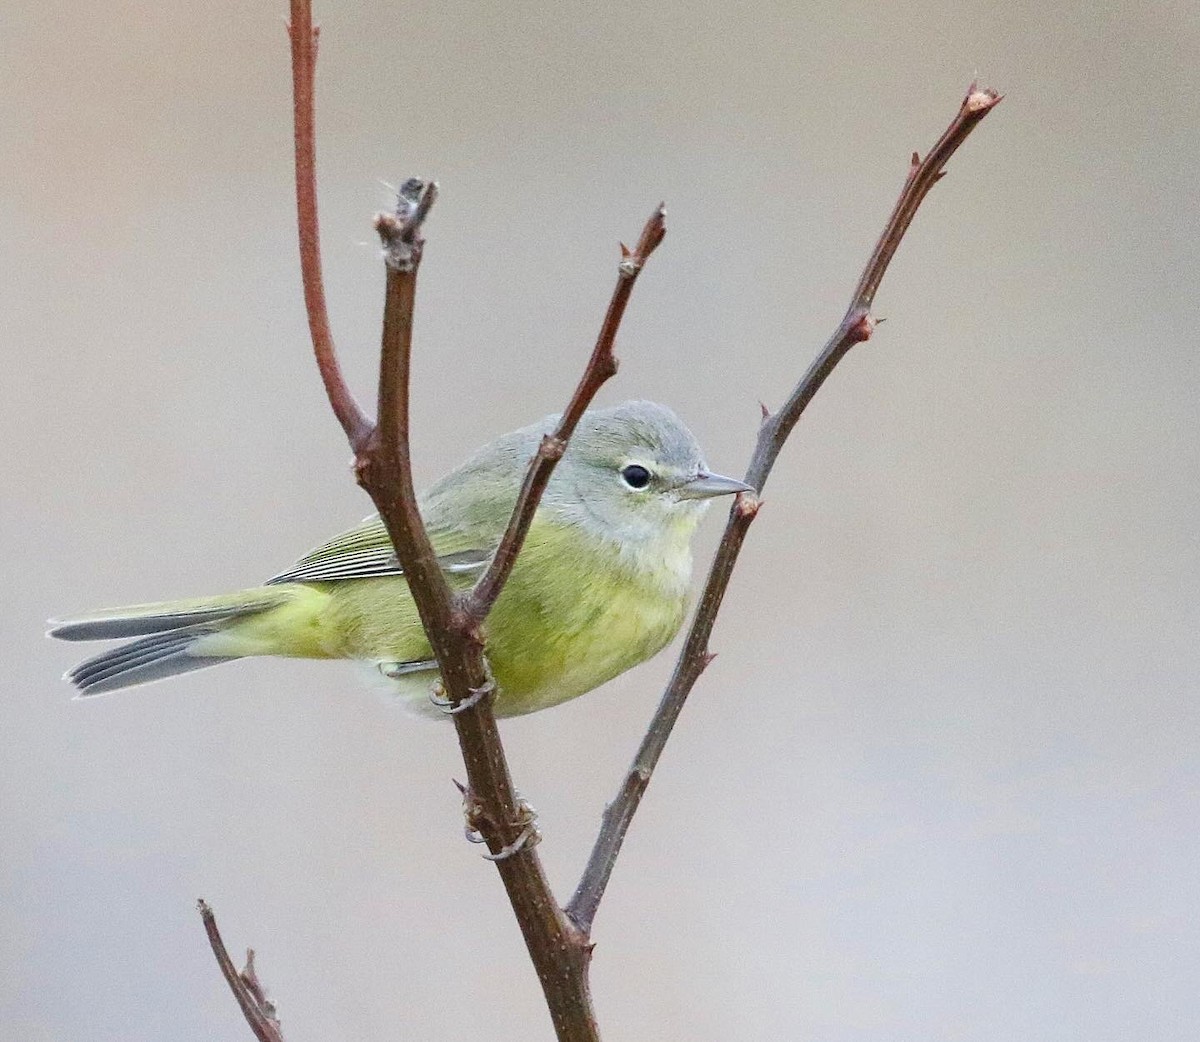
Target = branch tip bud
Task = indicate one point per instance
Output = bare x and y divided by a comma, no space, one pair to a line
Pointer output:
981,100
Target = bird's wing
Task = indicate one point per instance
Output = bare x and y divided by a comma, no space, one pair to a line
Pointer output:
365,552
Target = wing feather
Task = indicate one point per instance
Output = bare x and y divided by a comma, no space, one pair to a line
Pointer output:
365,552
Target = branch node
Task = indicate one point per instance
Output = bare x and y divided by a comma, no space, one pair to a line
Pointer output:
400,231
747,505
861,328
552,448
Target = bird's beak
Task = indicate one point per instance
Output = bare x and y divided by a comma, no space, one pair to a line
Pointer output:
704,486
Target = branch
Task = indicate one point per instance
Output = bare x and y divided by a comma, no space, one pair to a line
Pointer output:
856,326
384,468
453,625
601,367
304,37
258,1010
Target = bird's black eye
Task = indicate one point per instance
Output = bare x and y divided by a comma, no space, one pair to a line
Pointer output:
636,476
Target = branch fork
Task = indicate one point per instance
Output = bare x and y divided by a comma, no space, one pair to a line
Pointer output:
247,989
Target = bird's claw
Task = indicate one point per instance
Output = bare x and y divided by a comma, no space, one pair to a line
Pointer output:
528,838
447,706
477,695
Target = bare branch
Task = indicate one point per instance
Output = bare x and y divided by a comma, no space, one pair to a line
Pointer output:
304,37
560,954
856,326
384,466
601,367
258,1010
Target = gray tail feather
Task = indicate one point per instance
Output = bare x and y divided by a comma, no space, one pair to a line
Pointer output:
142,661
133,622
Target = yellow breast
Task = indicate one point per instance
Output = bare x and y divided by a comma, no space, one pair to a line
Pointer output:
576,612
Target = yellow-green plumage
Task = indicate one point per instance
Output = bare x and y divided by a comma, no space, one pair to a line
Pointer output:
600,585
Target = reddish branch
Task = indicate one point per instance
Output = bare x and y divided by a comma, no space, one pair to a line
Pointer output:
856,326
258,1010
384,469
304,38
601,366
453,624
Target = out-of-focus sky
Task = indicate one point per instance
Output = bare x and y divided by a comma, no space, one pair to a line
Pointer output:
941,782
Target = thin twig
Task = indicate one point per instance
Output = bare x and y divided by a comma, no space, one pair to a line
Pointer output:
601,367
304,38
855,327
258,1010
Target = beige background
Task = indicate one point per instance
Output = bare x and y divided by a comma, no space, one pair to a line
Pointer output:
941,782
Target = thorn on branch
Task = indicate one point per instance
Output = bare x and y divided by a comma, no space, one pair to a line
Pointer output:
400,232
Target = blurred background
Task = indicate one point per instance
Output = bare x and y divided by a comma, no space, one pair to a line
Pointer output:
941,782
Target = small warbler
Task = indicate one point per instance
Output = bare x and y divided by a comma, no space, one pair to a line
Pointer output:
600,585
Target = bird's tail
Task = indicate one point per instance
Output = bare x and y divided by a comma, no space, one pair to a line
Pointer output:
175,637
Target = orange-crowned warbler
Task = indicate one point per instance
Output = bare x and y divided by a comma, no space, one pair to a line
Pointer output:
601,584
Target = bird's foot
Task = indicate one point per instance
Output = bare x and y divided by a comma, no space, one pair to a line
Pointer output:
447,706
526,820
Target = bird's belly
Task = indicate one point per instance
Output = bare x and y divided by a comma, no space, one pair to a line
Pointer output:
564,650
568,620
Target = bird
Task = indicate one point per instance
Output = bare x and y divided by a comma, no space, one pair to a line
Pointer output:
601,584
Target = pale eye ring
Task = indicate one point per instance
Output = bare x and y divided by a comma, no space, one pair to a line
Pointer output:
635,476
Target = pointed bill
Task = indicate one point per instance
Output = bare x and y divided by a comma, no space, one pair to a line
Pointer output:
704,486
